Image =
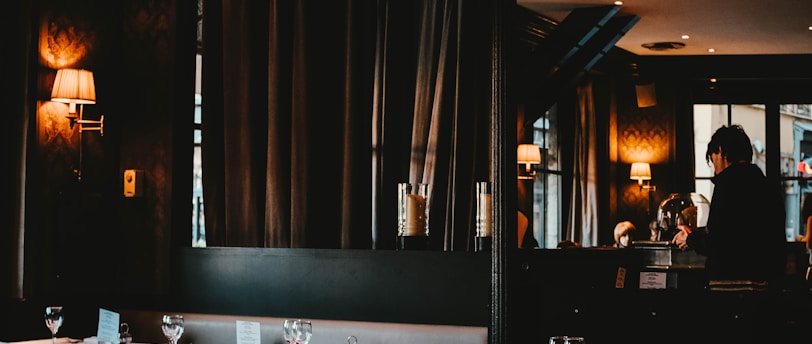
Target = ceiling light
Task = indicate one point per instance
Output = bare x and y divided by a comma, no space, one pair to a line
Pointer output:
711,50
619,3
663,46
685,37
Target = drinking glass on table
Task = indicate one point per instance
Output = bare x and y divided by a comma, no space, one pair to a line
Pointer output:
287,330
302,331
53,320
172,326
567,340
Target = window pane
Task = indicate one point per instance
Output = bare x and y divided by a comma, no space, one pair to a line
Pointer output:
198,218
704,122
751,118
708,118
547,210
795,145
547,205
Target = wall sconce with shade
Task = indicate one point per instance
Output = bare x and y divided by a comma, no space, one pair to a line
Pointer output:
528,154
641,171
77,87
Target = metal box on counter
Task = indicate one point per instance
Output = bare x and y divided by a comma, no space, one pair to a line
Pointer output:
663,254
664,266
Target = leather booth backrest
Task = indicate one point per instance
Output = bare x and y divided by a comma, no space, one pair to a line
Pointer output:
145,327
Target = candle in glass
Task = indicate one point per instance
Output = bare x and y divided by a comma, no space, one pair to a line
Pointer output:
484,210
413,216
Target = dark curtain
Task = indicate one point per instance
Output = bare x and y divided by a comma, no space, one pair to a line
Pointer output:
313,111
15,22
685,178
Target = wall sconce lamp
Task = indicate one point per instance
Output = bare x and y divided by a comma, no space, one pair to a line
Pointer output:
642,171
528,154
76,87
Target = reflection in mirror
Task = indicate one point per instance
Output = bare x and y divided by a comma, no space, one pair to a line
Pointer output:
545,193
269,173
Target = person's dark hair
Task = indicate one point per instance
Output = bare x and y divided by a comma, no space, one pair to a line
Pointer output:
734,142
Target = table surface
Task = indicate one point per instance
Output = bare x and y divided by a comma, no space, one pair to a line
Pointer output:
60,340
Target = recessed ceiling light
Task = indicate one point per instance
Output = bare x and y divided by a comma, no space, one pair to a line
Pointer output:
619,3
661,46
685,37
711,50
810,27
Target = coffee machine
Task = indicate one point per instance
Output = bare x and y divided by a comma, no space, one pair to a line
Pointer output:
689,209
682,269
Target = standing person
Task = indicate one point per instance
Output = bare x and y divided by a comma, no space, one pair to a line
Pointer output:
744,240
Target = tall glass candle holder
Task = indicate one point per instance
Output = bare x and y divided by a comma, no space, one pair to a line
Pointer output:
484,216
413,217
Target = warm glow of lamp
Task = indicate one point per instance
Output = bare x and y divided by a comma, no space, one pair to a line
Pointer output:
76,87
528,154
641,171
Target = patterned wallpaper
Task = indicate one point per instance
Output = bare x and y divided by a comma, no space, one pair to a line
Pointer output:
644,135
129,46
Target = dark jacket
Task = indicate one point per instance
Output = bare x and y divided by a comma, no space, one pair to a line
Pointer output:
745,237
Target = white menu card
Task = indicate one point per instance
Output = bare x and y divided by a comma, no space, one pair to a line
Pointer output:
108,326
247,332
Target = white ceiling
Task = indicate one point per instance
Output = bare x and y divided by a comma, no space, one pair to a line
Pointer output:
732,27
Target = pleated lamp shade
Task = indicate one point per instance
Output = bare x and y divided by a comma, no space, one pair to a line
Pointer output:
640,171
74,86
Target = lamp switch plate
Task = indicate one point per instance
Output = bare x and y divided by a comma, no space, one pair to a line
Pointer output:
133,183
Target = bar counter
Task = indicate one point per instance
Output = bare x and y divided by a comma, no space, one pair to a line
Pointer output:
597,293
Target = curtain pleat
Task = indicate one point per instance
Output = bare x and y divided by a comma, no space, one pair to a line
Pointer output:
582,226
321,108
277,186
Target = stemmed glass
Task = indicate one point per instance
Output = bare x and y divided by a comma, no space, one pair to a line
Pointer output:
287,330
53,320
566,340
172,326
302,331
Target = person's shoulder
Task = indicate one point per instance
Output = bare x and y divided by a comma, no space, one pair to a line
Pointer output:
753,168
741,172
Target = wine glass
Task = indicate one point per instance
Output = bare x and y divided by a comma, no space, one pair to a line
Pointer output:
172,326
566,340
53,320
287,330
302,331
